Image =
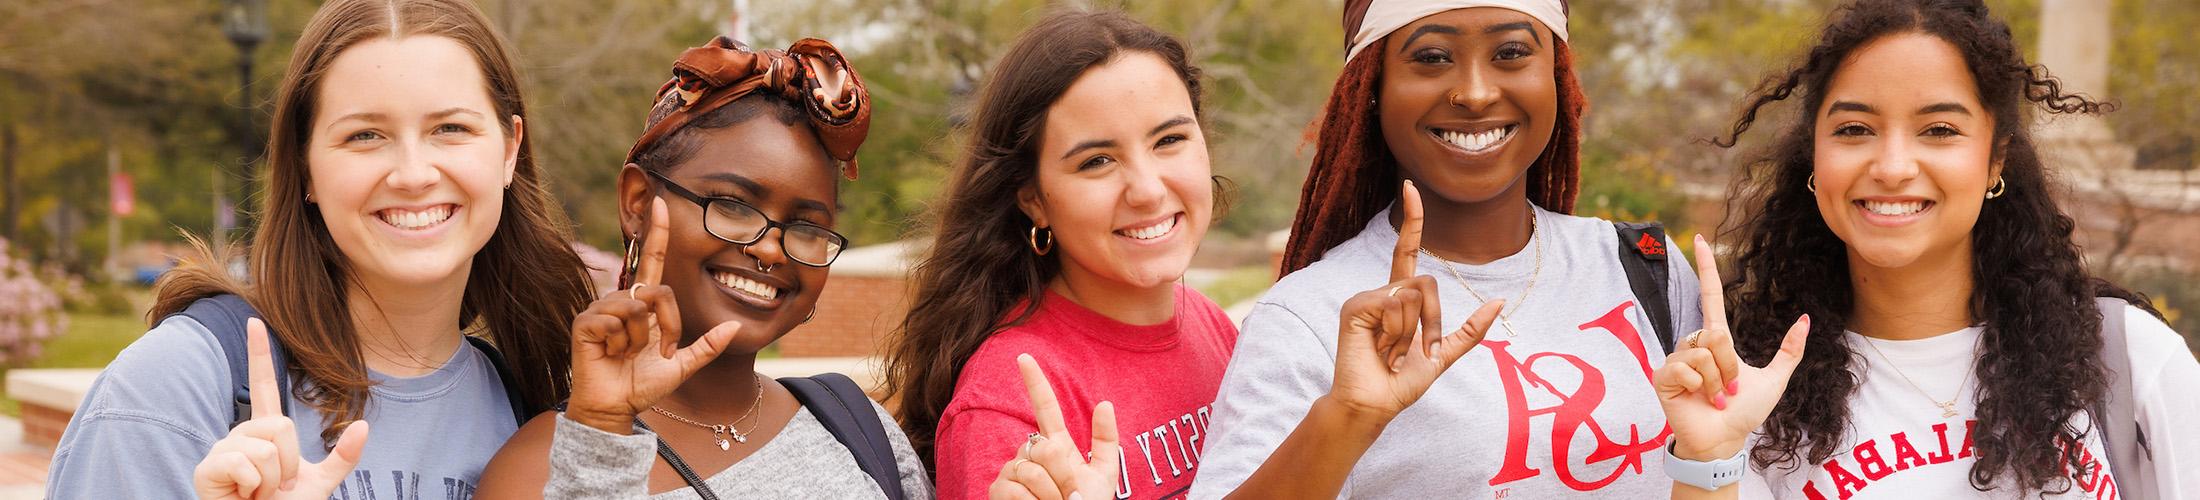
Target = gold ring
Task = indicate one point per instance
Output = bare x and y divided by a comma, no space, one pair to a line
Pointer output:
1692,338
1394,291
1018,461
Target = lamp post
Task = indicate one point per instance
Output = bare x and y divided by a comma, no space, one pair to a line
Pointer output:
245,23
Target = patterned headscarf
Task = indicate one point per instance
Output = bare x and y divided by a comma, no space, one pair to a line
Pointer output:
811,72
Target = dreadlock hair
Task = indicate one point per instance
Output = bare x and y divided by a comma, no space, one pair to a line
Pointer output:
2039,355
1354,176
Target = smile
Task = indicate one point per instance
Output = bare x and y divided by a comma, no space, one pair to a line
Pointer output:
415,220
1152,231
747,287
1895,208
1476,142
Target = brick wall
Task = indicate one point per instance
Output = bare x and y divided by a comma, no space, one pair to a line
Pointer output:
853,315
42,426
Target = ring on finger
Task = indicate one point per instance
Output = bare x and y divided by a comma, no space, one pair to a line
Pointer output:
630,291
1693,337
1394,291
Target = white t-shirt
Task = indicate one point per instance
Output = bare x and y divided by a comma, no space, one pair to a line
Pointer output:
1900,444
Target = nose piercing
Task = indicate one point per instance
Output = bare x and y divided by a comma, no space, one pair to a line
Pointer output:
765,268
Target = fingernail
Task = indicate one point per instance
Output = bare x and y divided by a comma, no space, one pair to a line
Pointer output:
1733,387
1718,400
289,483
1076,496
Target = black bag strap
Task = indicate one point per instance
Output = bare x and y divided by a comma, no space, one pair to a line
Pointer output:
2130,460
1642,253
664,451
512,395
846,411
224,315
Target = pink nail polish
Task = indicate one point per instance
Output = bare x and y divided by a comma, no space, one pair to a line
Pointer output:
1733,387
1718,400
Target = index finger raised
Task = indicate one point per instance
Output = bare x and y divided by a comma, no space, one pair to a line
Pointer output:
266,395
1708,283
651,269
1044,407
1407,254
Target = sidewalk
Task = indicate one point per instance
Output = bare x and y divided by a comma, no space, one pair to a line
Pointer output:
22,466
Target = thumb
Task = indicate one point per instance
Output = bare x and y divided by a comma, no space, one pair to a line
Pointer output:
1456,345
1791,349
344,457
707,347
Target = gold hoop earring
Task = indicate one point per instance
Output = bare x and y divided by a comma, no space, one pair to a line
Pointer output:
1811,183
1033,239
807,317
2000,187
633,260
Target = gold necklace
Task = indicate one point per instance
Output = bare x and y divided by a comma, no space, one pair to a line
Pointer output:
1947,408
1504,317
722,432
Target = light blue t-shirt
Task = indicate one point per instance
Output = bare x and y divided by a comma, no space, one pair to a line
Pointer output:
153,414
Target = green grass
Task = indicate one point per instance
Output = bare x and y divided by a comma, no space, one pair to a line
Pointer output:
1241,284
90,342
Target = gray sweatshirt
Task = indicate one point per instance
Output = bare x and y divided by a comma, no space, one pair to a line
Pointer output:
803,461
164,401
1565,408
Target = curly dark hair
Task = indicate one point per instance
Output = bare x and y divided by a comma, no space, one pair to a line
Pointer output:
2040,351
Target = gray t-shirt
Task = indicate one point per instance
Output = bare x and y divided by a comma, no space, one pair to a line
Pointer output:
1563,409
803,461
164,401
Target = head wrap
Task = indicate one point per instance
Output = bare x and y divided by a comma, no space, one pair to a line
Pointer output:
1367,21
811,72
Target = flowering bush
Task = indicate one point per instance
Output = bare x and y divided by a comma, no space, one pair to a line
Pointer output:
30,311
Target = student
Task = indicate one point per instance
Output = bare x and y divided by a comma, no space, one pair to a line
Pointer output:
730,198
1471,108
402,212
1955,348
1064,235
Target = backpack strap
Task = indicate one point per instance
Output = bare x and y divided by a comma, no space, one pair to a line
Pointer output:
846,411
224,315
1642,254
2130,460
512,394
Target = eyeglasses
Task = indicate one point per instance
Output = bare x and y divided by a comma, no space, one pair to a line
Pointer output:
742,224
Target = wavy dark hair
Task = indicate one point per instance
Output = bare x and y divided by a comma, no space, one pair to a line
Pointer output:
979,277
2039,362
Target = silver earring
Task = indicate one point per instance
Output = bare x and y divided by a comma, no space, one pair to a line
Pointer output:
1812,183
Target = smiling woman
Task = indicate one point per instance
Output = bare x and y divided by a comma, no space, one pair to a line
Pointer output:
401,209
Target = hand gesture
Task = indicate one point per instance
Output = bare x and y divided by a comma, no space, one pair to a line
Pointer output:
1712,400
1048,465
259,458
626,352
1390,347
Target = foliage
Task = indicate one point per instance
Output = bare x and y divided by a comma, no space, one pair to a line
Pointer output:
30,311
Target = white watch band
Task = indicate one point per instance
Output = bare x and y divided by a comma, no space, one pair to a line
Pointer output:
1707,475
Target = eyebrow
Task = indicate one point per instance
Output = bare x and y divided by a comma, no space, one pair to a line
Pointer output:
1441,29
454,111
758,189
1172,123
369,117
1945,107
1095,143
1522,26
1849,106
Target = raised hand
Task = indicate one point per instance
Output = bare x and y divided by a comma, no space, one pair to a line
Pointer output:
1048,466
259,458
1712,400
626,346
1390,346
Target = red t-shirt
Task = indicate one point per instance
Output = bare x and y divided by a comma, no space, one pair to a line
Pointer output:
1161,378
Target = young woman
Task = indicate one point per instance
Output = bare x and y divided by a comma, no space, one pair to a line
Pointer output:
402,211
1475,105
1090,129
730,197
1954,345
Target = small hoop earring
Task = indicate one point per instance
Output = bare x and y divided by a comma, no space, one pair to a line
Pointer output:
807,317
309,198
2000,187
1811,183
1033,239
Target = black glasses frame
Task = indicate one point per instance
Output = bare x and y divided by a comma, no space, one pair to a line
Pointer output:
706,201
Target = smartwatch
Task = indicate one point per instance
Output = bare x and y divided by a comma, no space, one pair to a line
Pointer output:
1707,475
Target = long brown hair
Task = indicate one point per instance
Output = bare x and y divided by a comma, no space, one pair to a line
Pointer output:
979,275
526,283
1354,176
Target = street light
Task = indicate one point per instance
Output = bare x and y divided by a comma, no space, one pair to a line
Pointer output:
245,22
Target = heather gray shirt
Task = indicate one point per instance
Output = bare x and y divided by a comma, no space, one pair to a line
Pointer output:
803,461
1563,409
154,412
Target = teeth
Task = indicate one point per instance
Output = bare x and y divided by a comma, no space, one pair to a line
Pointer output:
416,220
1476,141
1894,208
747,286
1153,231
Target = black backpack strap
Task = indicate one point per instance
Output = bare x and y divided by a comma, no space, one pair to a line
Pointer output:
664,451
512,393
846,411
2130,460
1642,253
224,315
